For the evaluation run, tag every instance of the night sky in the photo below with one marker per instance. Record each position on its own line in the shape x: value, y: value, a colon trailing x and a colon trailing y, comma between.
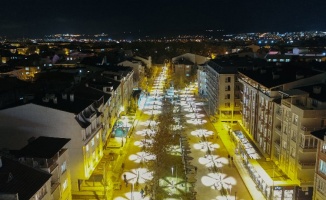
x: 36, y: 18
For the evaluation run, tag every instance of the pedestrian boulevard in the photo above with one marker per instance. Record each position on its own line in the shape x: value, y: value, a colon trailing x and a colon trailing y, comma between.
x: 208, y: 153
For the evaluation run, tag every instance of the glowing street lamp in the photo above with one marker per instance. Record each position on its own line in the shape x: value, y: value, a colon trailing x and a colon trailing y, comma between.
x: 172, y: 178
x: 132, y: 190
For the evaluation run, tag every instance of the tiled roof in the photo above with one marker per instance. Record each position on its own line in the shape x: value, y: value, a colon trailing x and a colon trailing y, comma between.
x: 17, y: 178
x: 43, y: 147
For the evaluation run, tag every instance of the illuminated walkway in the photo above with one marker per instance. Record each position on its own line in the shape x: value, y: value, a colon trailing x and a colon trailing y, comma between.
x: 216, y: 178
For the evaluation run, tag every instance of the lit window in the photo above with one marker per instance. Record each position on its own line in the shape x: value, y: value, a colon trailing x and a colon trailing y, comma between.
x: 92, y: 142
x: 322, y: 167
x: 65, y: 185
x: 86, y: 147
x: 63, y: 167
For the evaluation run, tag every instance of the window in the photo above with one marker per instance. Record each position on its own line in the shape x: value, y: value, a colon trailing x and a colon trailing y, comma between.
x: 92, y: 142
x: 295, y: 119
x: 293, y: 136
x: 292, y: 152
x: 321, y: 185
x: 83, y: 134
x: 87, y: 148
x: 63, y: 167
x: 227, y: 88
x: 322, y: 167
x: 228, y: 79
x: 323, y: 147
x: 291, y: 167
x: 227, y: 96
x: 227, y: 105
x: 65, y: 185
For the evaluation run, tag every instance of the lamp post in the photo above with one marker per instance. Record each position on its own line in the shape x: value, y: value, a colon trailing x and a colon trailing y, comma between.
x: 132, y: 190
x: 172, y: 177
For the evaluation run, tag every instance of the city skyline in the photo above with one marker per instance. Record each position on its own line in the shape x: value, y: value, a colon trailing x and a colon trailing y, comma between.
x: 137, y: 19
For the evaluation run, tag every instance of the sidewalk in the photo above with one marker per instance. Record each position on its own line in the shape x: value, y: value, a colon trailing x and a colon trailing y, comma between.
x: 222, y: 129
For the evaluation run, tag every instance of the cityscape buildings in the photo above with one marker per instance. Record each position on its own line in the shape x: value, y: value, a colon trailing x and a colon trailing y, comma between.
x: 78, y: 96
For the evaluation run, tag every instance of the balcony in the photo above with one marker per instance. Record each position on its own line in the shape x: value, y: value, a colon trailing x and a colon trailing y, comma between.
x: 323, y: 152
x: 305, y: 148
x: 306, y: 165
x: 308, y: 129
x: 277, y: 143
x: 278, y: 114
x: 287, y: 104
x: 278, y: 130
x: 54, y: 186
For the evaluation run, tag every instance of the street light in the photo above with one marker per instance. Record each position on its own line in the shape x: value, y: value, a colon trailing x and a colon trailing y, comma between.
x: 132, y: 190
x: 172, y: 177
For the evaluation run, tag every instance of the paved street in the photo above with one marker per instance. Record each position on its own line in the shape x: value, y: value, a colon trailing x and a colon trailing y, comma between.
x: 215, y: 177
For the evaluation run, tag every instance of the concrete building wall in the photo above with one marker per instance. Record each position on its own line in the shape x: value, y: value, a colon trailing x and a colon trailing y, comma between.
x: 32, y: 120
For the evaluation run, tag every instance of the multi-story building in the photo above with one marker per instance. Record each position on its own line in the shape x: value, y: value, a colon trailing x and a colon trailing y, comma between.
x: 300, y: 111
x: 49, y: 154
x: 84, y: 112
x: 260, y: 90
x: 185, y: 65
x: 138, y: 68
x: 125, y: 76
x: 77, y: 115
x: 221, y: 89
x: 320, y: 173
x: 275, y: 117
x: 22, y: 182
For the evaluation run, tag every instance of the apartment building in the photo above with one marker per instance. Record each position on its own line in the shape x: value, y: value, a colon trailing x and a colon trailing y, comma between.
x: 77, y: 116
x: 221, y: 89
x: 50, y: 155
x: 320, y: 173
x: 21, y: 182
x: 138, y: 68
x: 185, y: 65
x: 277, y: 109
x: 124, y: 75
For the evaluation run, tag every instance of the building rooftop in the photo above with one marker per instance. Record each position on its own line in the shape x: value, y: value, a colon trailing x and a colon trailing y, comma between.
x: 17, y: 178
x: 320, y: 134
x: 276, y: 76
x: 79, y: 98
x: 222, y: 69
x: 43, y: 147
x: 314, y: 91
